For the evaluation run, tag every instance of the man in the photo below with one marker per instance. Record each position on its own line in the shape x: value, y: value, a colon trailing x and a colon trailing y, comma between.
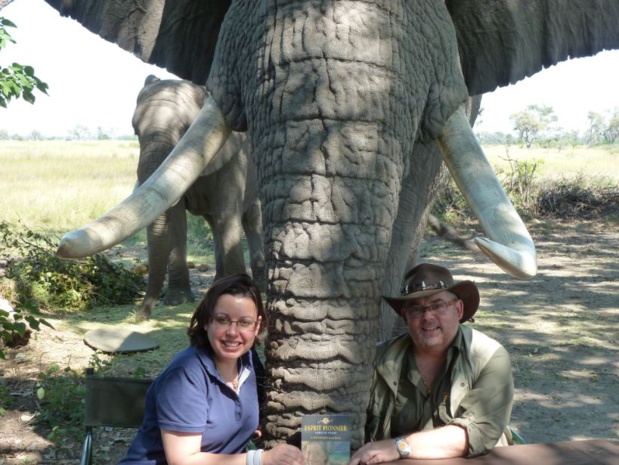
x: 443, y: 389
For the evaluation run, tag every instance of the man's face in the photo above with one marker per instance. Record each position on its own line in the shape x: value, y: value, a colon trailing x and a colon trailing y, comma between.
x: 433, y: 321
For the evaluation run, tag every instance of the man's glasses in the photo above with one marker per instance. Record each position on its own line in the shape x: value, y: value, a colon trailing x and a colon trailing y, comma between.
x: 438, y: 307
x: 244, y: 324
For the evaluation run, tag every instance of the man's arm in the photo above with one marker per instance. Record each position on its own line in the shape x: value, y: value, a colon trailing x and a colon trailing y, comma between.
x: 441, y: 443
x: 486, y: 409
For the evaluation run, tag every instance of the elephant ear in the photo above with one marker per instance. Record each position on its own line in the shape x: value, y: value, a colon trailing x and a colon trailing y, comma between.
x: 504, y: 41
x: 178, y: 35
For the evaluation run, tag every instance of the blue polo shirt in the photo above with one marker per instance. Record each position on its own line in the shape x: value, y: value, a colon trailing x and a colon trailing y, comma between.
x: 190, y: 396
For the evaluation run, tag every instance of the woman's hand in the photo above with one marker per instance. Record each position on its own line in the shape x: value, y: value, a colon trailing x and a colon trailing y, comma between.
x: 282, y: 454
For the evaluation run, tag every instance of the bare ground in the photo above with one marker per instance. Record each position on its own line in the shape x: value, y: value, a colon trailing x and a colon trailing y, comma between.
x: 561, y: 327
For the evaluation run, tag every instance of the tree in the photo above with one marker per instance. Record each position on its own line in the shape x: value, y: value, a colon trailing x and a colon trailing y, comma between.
x: 596, y: 127
x: 102, y: 134
x: 80, y: 132
x: 611, y: 132
x: 16, y: 81
x: 532, y: 122
x: 601, y: 129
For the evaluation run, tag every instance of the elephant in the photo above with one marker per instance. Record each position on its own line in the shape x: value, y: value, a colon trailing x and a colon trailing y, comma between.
x: 225, y: 194
x: 352, y: 107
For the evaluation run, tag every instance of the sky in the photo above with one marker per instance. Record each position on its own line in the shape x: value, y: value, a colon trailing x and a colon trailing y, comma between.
x: 94, y: 83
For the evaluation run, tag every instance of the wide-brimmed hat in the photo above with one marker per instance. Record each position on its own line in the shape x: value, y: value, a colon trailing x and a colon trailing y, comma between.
x: 427, y: 279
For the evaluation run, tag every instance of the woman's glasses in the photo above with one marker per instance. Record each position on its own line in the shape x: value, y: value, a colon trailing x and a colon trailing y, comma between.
x: 224, y: 322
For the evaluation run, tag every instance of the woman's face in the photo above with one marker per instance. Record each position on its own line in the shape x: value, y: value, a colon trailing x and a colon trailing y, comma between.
x: 233, y: 328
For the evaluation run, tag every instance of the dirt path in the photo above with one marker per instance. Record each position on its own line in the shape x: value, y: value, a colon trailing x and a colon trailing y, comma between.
x: 562, y: 329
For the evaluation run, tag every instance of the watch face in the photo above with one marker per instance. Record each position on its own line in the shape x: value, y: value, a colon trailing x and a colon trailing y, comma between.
x: 402, y: 447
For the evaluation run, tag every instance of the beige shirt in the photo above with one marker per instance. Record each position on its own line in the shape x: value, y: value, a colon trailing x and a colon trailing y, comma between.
x: 474, y: 390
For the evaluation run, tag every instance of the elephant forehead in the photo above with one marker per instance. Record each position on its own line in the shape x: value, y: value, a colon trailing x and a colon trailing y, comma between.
x: 345, y: 61
x: 346, y: 30
x: 353, y: 60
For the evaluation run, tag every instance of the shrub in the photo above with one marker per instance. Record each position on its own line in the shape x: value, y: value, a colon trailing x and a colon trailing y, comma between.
x: 565, y: 197
x: 579, y: 197
x: 61, y: 394
x: 64, y: 285
x: 521, y: 185
x: 16, y: 326
x: 451, y: 206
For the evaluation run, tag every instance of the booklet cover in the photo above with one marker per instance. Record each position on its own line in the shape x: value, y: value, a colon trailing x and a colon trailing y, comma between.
x: 325, y: 439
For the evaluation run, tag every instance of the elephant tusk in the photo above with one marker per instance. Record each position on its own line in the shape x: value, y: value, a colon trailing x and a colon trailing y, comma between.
x: 197, y: 148
x: 508, y: 244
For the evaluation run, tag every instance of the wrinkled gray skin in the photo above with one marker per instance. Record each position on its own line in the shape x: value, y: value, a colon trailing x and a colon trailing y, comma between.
x: 345, y: 103
x: 226, y: 194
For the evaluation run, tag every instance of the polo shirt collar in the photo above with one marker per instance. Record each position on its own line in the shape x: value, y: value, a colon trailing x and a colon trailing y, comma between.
x: 205, y: 355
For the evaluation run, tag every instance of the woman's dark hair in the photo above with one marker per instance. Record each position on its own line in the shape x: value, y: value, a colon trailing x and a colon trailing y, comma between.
x: 238, y: 285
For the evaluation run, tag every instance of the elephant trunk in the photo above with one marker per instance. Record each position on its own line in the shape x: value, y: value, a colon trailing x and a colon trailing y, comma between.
x: 196, y: 149
x: 509, y: 244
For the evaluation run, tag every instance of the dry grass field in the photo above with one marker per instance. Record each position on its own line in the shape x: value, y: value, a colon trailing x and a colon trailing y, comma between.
x: 55, y: 186
x: 598, y: 162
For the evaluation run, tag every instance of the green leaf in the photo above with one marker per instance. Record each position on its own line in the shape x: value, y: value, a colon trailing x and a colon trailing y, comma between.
x: 6, y: 22
x: 17, y: 81
x: 20, y: 328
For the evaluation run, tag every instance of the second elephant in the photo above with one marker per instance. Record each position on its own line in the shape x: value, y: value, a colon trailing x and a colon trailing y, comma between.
x: 226, y: 195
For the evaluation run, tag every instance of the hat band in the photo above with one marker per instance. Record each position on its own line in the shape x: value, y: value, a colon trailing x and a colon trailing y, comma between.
x: 422, y: 286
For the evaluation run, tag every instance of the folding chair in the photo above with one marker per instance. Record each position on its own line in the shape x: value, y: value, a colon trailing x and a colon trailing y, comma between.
x: 513, y: 437
x: 111, y: 401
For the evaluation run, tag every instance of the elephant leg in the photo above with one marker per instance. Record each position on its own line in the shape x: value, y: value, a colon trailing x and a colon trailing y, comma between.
x: 217, y: 253
x: 228, y: 235
x: 158, y: 253
x: 179, y: 286
x: 252, y: 224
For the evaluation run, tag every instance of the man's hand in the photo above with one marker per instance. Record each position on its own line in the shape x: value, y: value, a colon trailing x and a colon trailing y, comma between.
x: 375, y: 452
x: 283, y: 454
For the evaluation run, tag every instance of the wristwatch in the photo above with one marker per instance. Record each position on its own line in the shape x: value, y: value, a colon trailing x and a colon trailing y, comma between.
x: 402, y: 446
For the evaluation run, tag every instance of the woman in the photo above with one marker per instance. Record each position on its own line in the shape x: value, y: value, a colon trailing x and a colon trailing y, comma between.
x: 203, y: 408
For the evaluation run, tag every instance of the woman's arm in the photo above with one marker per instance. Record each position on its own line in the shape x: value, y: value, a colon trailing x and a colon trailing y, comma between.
x: 184, y: 449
